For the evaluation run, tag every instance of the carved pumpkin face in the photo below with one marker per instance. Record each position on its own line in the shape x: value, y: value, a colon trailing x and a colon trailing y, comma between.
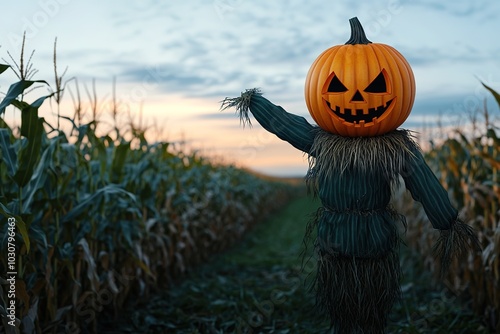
x: 360, y: 88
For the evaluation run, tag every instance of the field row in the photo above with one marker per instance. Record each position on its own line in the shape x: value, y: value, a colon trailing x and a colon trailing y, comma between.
x: 101, y: 220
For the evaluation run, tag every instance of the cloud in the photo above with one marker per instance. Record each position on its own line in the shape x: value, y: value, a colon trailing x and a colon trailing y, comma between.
x: 213, y: 50
x: 430, y: 56
x: 206, y: 65
x: 460, y: 8
x: 218, y: 48
x: 454, y: 108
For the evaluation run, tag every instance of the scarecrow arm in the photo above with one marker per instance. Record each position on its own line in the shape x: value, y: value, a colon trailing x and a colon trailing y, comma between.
x: 456, y: 236
x: 426, y: 189
x: 291, y: 128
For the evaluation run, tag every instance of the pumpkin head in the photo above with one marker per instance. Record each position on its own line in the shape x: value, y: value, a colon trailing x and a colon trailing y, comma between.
x: 360, y: 88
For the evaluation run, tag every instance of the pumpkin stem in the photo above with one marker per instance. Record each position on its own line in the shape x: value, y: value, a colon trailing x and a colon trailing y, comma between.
x: 357, y: 33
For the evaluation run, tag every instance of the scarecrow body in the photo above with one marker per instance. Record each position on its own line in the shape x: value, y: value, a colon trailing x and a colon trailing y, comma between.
x: 358, y: 271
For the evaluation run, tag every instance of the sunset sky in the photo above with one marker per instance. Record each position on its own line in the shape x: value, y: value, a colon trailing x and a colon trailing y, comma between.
x: 178, y: 59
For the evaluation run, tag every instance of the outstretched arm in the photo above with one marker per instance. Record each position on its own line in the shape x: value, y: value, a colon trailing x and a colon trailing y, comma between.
x: 456, y: 236
x: 426, y: 189
x: 291, y: 128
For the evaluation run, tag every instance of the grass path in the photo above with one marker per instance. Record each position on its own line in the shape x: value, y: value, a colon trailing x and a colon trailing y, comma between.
x: 258, y: 287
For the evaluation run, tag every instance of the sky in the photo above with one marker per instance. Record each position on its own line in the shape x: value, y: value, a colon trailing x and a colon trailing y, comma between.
x: 174, y: 61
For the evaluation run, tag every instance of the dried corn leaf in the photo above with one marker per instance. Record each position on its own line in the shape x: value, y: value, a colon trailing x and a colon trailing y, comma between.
x: 91, y: 266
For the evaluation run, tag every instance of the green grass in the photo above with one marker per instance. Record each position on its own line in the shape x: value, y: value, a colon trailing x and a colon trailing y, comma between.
x: 258, y: 287
x: 428, y: 306
x: 277, y: 241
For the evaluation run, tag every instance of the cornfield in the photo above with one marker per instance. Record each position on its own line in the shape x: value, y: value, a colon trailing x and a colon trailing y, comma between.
x: 102, y: 221
x: 468, y: 166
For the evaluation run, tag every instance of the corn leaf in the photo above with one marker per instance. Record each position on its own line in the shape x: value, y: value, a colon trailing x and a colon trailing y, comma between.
x: 9, y: 155
x: 39, y: 176
x: 29, y: 154
x: 20, y: 225
x: 15, y: 90
x: 120, y: 154
x: 87, y: 203
x: 32, y: 129
x: 3, y: 68
x: 99, y: 148
x: 493, y: 92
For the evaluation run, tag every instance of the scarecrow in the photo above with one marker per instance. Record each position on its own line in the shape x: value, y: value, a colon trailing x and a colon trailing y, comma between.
x: 359, y: 94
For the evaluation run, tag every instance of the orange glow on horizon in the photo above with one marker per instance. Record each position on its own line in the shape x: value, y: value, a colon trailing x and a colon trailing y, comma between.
x: 191, y: 124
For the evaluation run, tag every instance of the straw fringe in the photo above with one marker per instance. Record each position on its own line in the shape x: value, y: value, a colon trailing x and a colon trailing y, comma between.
x: 331, y: 155
x: 454, y: 244
x: 241, y: 104
x: 357, y: 294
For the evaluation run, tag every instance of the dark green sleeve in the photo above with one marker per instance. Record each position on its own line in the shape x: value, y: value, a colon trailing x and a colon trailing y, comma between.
x: 456, y: 237
x: 291, y: 128
x: 426, y: 188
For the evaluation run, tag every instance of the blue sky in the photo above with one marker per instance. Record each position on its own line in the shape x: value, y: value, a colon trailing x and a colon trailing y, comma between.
x: 178, y: 59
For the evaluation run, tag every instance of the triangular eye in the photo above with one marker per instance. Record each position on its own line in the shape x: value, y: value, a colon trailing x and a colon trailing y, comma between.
x: 336, y: 86
x: 378, y: 85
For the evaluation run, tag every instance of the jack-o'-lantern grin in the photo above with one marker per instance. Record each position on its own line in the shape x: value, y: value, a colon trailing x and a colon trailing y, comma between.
x: 360, y: 116
x: 359, y: 106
